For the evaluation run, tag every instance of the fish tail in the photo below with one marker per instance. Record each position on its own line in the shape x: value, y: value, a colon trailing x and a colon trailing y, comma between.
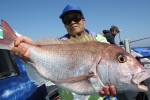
x: 7, y: 41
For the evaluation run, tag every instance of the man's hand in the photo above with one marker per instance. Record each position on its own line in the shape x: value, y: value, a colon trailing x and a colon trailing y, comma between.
x: 21, y: 49
x: 108, y: 91
x: 23, y: 39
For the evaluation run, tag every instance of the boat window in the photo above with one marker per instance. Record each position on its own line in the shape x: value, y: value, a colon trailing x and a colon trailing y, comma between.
x: 8, y: 66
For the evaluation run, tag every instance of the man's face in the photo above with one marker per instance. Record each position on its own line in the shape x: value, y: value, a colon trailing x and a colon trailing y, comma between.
x: 74, y: 23
x: 115, y: 32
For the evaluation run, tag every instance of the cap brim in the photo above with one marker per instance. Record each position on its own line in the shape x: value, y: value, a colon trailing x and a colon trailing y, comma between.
x: 62, y: 15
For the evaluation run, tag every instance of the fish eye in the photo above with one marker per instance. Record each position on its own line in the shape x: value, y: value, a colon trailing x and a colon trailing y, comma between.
x: 122, y: 59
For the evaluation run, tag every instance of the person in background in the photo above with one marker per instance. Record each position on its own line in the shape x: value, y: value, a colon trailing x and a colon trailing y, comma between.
x: 105, y: 31
x: 74, y: 22
x: 110, y: 34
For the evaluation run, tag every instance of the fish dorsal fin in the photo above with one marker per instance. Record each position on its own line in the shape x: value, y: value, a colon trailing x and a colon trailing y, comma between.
x: 72, y: 40
x: 82, y: 38
x: 47, y: 41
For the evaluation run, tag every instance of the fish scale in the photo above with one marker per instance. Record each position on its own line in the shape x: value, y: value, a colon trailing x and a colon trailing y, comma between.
x: 55, y: 58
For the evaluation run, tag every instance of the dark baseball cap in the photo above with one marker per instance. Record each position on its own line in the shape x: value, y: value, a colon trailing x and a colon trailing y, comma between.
x: 114, y: 28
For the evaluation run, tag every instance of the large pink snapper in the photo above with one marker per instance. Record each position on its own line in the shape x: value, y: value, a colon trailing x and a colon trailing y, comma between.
x: 81, y: 65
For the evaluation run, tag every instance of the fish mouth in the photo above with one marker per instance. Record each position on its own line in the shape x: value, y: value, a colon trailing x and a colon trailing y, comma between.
x: 139, y: 78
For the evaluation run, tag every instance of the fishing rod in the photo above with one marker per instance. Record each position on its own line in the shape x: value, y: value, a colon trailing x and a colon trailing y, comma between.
x: 139, y: 39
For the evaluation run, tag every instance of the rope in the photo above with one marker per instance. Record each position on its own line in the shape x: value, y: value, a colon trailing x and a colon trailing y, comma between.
x: 139, y: 39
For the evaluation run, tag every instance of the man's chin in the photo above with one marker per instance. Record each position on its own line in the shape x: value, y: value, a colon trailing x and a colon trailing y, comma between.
x: 78, y: 33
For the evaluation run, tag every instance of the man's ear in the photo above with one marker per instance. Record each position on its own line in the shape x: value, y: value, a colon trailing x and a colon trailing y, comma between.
x: 84, y: 22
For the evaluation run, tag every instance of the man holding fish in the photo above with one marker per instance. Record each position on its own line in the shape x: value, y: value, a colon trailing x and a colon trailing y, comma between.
x: 127, y: 79
x: 74, y: 22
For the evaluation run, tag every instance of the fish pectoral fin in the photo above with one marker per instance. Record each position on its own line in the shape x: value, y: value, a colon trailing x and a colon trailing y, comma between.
x: 81, y: 97
x: 96, y: 83
x: 73, y: 79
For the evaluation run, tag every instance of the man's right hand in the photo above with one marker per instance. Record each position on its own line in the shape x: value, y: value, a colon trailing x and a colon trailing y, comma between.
x: 20, y: 48
x: 108, y: 91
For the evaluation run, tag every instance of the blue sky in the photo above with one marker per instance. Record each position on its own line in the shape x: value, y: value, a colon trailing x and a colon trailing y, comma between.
x: 40, y: 18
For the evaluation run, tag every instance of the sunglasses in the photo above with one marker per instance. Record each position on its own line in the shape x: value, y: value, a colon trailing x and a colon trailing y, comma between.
x: 76, y: 18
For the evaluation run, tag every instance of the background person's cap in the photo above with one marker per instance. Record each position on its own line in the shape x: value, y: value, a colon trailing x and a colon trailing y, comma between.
x: 69, y: 8
x: 114, y: 28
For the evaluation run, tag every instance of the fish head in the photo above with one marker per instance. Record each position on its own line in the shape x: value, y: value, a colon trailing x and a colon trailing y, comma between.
x: 119, y: 68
